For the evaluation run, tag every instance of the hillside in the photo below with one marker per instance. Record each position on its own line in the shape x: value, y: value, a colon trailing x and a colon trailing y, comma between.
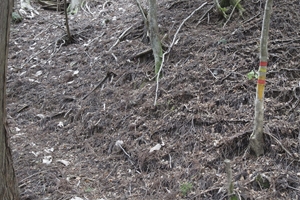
x: 70, y: 104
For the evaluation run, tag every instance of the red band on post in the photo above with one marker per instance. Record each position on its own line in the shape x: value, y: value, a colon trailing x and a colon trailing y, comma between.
x: 263, y: 64
x: 259, y: 81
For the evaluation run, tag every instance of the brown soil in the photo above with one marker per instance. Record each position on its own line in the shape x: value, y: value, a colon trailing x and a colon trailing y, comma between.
x: 204, y: 112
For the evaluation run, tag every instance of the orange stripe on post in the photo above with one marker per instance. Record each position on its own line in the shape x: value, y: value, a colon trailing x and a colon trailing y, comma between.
x: 263, y: 64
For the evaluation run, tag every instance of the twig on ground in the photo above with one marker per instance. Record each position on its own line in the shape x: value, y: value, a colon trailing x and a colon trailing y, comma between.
x: 208, y: 18
x: 86, y: 9
x: 41, y: 33
x: 23, y: 108
x: 206, y: 191
x: 142, y: 10
x: 298, y: 99
x: 293, y: 188
x: 231, y: 13
x: 269, y: 133
x: 94, y: 39
x: 22, y: 183
x: 200, y: 20
x: 115, y: 57
x: 108, y: 75
x: 111, y: 171
x: 119, y: 144
x: 34, y: 55
x: 55, y: 50
x: 143, y: 53
x: 124, y: 150
x: 212, y: 73
x: 120, y: 38
x: 169, y: 49
x: 245, y: 22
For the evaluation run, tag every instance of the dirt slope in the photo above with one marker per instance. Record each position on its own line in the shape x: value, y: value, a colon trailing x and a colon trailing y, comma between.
x: 69, y: 105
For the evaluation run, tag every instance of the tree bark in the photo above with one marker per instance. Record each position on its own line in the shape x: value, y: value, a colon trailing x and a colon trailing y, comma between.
x: 154, y: 35
x: 8, y: 185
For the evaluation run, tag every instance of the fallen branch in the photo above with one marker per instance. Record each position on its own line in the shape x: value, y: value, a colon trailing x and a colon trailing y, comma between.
x: 200, y: 20
x: 142, y: 10
x: 34, y: 55
x: 268, y: 133
x: 170, y: 47
x: 108, y: 75
x: 231, y: 13
x: 120, y: 38
x: 143, y: 53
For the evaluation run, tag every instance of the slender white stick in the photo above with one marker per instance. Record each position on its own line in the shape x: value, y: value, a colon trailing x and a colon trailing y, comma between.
x: 170, y: 47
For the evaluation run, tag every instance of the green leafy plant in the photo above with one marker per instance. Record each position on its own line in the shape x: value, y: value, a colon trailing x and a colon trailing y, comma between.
x: 185, y: 188
x: 16, y: 17
x: 88, y: 190
x: 222, y: 41
x: 252, y: 74
x: 262, y: 181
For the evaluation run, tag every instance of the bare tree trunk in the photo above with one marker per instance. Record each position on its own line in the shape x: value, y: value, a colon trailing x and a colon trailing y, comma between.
x: 257, y: 137
x: 8, y: 185
x: 154, y: 35
x: 67, y: 20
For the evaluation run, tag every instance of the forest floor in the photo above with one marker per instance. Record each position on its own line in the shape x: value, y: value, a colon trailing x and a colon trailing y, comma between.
x: 69, y: 106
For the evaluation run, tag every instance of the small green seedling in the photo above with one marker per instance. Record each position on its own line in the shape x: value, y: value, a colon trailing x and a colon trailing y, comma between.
x: 185, y: 188
x: 16, y: 17
x: 88, y: 190
x: 252, y: 74
x: 262, y: 181
x: 222, y: 41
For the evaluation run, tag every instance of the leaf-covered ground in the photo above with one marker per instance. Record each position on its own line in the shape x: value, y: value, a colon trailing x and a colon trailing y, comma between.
x: 70, y: 105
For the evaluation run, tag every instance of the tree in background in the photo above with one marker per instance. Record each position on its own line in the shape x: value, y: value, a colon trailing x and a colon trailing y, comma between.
x: 223, y: 6
x: 26, y: 8
x: 8, y: 185
x: 257, y: 137
x: 151, y: 30
x: 74, y: 6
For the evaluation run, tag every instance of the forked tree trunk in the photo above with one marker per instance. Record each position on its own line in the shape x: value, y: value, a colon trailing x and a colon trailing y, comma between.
x: 257, y: 137
x: 8, y: 185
